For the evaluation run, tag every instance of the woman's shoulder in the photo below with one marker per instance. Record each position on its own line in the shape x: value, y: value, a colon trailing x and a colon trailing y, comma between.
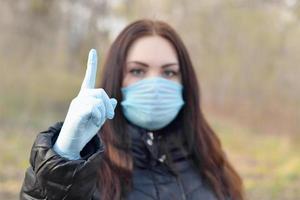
x: 52, y: 174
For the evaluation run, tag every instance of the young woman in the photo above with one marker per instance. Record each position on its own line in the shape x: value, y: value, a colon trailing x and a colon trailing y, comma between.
x: 156, y: 143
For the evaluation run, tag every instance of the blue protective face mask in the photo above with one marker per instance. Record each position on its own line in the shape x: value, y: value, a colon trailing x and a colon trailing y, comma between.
x: 152, y: 103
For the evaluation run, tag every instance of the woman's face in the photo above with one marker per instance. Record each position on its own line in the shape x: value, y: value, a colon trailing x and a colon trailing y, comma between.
x: 151, y: 56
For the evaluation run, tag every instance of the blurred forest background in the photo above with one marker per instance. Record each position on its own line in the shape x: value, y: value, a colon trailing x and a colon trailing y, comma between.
x: 246, y: 54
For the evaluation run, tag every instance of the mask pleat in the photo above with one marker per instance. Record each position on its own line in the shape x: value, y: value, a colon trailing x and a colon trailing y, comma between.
x: 152, y: 103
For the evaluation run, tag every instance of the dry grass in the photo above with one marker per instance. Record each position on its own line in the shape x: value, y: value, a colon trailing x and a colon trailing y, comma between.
x: 269, y: 164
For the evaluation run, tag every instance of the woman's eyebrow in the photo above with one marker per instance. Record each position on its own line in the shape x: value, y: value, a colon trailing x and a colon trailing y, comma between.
x: 146, y: 65
x: 139, y: 63
x: 169, y: 65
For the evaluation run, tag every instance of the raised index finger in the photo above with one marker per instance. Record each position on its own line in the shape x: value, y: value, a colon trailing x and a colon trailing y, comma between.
x: 89, y: 80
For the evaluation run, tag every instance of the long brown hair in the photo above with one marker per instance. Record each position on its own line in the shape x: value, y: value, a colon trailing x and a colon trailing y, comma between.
x: 201, y: 141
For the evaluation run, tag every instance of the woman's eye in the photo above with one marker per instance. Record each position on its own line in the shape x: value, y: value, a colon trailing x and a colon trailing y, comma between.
x: 136, y: 72
x: 170, y: 73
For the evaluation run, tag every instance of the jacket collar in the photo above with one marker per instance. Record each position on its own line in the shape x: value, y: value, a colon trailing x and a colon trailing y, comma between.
x: 146, y: 147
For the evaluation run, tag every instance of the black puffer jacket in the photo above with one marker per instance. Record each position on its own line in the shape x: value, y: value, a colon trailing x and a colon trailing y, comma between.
x: 51, y: 176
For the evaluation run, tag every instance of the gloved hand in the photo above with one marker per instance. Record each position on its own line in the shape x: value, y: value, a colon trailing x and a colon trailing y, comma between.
x: 87, y: 113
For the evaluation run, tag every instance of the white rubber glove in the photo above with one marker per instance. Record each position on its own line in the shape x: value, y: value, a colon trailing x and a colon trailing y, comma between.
x: 87, y: 113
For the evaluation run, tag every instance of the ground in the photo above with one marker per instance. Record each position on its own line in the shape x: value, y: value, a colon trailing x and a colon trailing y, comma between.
x: 269, y: 164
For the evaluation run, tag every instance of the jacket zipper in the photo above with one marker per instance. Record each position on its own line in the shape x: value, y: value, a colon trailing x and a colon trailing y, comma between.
x: 181, y: 188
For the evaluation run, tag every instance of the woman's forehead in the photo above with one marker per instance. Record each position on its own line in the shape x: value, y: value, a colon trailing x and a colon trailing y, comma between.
x: 154, y: 50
